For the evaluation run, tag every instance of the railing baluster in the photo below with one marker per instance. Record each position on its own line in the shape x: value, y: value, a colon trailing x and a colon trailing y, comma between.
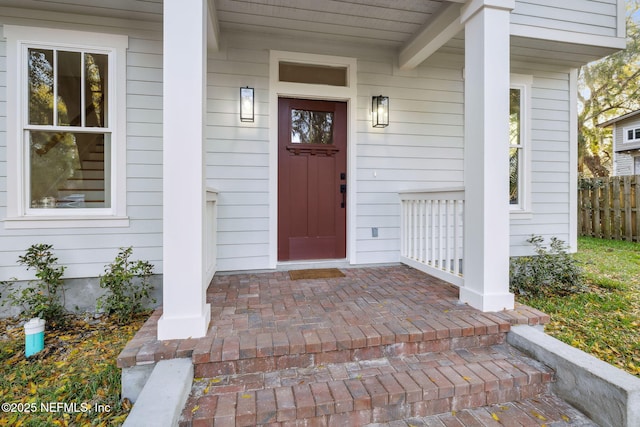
x: 447, y: 264
x: 456, y: 236
x: 432, y: 231
x: 414, y: 216
x: 420, y: 231
x: 417, y: 230
x: 405, y: 233
x: 429, y: 231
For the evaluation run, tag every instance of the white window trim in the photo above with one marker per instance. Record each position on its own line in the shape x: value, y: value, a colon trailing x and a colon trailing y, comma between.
x: 625, y: 131
x: 349, y: 94
x: 18, y: 214
x: 524, y: 83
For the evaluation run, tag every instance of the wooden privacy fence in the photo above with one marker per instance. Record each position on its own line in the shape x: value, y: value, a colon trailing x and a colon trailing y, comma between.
x: 608, y: 207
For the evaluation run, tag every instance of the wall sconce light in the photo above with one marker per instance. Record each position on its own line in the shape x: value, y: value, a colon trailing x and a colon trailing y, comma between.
x: 380, y: 111
x: 246, y: 104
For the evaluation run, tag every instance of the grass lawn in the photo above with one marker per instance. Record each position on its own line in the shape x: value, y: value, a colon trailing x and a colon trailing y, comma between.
x: 606, y: 321
x: 77, y: 368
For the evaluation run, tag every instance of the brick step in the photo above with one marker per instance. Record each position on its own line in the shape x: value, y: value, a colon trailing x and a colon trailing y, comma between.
x: 546, y: 409
x: 368, y: 391
x: 298, y: 347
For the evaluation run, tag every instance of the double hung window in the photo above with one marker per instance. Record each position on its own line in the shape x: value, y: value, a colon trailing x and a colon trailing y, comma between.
x: 519, y: 143
x: 68, y: 133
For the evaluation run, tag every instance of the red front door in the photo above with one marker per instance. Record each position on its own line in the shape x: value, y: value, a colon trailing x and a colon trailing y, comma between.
x: 312, y: 185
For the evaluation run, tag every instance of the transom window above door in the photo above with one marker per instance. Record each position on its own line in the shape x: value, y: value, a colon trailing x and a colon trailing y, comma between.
x: 312, y: 73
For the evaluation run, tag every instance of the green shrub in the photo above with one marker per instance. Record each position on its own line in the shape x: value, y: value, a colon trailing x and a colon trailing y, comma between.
x: 552, y: 271
x: 128, y: 286
x: 44, y: 297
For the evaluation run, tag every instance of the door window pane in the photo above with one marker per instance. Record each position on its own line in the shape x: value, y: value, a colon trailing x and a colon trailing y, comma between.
x: 311, y: 127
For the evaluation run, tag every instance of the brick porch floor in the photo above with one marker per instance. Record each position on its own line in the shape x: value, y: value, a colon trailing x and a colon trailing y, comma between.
x: 381, y: 344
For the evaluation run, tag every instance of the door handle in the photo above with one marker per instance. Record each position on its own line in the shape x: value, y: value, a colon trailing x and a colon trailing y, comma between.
x: 343, y: 191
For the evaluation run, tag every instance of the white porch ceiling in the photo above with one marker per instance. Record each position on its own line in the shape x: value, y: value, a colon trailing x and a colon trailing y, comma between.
x: 388, y: 23
x: 406, y: 26
x: 143, y: 10
x: 376, y: 22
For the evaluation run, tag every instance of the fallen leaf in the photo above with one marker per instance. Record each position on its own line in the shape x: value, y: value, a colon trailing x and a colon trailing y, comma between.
x: 495, y: 416
x: 538, y: 416
x: 126, y: 403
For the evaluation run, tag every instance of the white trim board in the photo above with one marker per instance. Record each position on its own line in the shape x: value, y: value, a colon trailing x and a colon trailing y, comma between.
x: 349, y: 94
x: 18, y: 214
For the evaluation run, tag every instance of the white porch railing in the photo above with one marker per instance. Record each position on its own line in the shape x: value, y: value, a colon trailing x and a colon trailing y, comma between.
x: 432, y: 232
x: 211, y: 230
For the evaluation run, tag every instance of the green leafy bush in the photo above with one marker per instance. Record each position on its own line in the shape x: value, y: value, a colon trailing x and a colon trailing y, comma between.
x: 128, y: 286
x: 552, y: 271
x: 44, y: 297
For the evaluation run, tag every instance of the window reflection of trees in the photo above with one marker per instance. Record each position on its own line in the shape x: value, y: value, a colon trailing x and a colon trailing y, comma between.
x: 311, y: 127
x: 515, y: 145
x: 56, y: 156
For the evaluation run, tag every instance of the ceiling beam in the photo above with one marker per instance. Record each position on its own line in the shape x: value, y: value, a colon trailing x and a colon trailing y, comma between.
x: 432, y: 36
x: 213, y: 29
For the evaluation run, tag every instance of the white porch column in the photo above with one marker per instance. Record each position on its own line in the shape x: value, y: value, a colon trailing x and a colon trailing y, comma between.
x: 185, y: 311
x: 486, y: 155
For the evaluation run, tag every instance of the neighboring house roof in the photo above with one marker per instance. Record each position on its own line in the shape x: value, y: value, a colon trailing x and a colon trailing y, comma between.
x: 619, y: 119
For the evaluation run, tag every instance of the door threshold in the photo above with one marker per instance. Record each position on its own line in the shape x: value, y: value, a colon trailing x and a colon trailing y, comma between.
x: 310, y: 263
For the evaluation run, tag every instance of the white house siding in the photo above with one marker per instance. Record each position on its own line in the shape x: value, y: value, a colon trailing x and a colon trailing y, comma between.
x: 618, y: 133
x: 624, y: 163
x: 85, y: 251
x: 580, y: 16
x: 550, y: 158
x: 421, y: 148
x: 237, y: 156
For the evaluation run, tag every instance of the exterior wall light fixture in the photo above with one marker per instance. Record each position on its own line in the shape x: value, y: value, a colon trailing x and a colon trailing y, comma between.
x: 246, y: 104
x: 380, y: 111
